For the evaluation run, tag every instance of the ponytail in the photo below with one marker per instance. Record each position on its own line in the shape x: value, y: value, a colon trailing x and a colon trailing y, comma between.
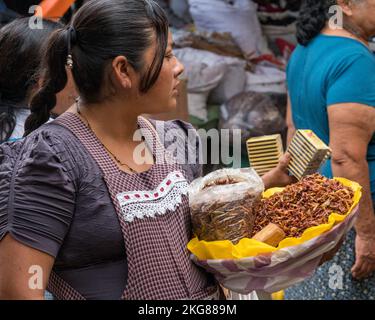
x: 312, y: 19
x: 54, y: 80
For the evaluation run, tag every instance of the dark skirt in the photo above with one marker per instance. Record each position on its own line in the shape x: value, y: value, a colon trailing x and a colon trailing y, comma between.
x: 334, y: 281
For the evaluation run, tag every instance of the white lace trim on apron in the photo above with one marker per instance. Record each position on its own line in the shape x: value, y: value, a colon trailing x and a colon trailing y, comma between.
x: 146, y: 204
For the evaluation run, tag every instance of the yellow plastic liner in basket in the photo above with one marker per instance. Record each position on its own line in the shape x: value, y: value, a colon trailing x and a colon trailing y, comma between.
x: 246, y: 247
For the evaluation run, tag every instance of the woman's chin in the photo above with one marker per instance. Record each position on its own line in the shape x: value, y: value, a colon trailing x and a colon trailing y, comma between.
x: 170, y: 108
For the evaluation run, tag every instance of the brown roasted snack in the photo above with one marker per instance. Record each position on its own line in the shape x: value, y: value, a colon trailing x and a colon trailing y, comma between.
x: 222, y: 205
x: 303, y: 205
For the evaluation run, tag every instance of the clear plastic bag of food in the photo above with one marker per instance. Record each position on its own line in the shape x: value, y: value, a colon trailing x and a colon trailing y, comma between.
x: 222, y: 204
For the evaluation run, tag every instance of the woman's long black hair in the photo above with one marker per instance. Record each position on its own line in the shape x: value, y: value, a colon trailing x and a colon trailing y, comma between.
x: 100, y: 31
x: 21, y: 50
x: 313, y: 17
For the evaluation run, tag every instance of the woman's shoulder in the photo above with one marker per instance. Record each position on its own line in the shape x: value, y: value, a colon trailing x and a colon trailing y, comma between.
x: 353, y: 61
x: 332, y: 48
x: 53, y: 135
x: 343, y: 50
x: 39, y: 175
x: 49, y: 146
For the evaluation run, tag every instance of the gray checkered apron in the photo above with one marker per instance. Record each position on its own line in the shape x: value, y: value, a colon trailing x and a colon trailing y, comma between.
x: 159, y: 265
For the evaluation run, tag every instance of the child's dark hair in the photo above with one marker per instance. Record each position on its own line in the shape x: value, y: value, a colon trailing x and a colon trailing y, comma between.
x: 100, y: 31
x: 21, y: 50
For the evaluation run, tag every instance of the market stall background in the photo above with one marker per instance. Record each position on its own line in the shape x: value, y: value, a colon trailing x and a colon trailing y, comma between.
x: 235, y: 54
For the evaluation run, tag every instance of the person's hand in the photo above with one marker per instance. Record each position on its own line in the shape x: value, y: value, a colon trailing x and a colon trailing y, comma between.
x: 279, y: 176
x: 364, y: 257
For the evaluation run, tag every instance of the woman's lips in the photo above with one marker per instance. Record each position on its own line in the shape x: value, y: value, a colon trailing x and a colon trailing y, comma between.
x: 175, y: 87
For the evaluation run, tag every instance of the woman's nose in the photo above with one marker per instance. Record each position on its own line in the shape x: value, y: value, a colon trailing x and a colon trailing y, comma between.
x: 179, y: 69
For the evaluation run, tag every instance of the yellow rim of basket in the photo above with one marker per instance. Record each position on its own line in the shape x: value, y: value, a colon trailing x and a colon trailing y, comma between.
x: 225, y: 249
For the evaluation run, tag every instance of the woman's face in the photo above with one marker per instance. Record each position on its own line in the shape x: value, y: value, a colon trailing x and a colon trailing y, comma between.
x: 162, y: 97
x: 363, y: 15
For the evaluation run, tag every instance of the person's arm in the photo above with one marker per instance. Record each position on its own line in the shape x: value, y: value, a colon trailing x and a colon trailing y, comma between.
x: 37, y: 218
x: 351, y: 129
x: 289, y: 122
x: 24, y: 271
x: 279, y: 176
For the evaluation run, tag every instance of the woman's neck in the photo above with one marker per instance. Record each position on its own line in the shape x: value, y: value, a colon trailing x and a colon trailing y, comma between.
x: 110, y: 119
x: 345, y: 33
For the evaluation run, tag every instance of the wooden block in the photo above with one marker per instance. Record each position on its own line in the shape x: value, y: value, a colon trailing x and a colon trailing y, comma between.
x: 272, y: 235
x: 264, y: 152
x: 308, y: 153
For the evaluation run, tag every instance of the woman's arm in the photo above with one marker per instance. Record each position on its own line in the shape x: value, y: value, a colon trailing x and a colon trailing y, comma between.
x: 351, y: 129
x: 24, y: 272
x: 279, y: 176
x: 42, y: 186
x: 289, y: 122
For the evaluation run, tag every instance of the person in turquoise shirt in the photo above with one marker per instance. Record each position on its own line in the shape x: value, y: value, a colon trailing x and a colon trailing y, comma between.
x: 331, y: 83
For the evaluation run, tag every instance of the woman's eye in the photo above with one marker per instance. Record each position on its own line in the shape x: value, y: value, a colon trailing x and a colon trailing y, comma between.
x: 169, y: 56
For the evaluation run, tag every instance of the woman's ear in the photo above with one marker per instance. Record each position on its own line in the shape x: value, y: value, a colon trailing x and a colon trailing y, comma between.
x: 346, y: 6
x: 121, y: 72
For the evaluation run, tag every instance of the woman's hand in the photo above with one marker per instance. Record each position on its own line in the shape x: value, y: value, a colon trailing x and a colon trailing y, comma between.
x: 279, y: 176
x: 364, y: 257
